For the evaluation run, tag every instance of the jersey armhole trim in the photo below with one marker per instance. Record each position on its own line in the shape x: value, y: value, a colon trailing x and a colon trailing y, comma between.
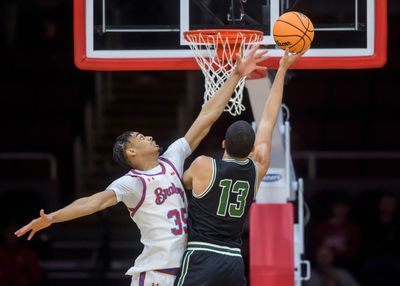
x: 256, y: 187
x: 135, y: 209
x: 172, y: 166
x: 210, y: 185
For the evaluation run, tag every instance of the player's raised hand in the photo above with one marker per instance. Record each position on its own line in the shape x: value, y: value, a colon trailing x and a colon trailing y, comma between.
x: 246, y: 66
x: 35, y: 225
x: 289, y: 59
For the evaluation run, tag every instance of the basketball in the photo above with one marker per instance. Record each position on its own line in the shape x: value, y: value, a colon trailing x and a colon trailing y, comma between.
x: 293, y: 30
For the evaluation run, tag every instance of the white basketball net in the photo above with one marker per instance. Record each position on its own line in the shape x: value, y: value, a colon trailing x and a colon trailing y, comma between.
x: 218, y: 67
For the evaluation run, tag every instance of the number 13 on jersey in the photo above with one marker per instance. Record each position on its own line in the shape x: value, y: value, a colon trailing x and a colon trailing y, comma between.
x: 235, y: 209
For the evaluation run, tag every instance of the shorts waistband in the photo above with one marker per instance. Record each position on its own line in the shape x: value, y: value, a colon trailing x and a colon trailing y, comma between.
x: 205, y: 246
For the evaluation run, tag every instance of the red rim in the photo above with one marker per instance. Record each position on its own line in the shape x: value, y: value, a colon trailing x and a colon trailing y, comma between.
x: 230, y: 34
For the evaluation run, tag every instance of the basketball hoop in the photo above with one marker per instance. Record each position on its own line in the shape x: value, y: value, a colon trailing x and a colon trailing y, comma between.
x: 216, y: 53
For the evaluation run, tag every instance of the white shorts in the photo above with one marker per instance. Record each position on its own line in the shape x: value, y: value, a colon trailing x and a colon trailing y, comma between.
x: 154, y: 278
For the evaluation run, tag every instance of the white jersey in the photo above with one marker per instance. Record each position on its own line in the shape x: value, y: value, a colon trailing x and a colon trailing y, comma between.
x: 157, y: 203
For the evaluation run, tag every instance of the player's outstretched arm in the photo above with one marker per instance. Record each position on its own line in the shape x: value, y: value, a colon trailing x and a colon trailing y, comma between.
x: 79, y: 208
x: 212, y: 110
x: 262, y: 144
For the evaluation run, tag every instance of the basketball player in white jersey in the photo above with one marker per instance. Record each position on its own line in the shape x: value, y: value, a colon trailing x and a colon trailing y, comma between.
x: 152, y: 190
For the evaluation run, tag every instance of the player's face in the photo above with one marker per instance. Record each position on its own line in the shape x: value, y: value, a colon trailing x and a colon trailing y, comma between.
x: 144, y: 144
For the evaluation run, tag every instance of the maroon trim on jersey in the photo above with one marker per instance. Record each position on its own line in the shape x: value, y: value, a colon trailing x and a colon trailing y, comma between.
x: 172, y: 165
x: 170, y: 271
x: 134, y: 210
x: 162, y: 172
x: 141, y: 278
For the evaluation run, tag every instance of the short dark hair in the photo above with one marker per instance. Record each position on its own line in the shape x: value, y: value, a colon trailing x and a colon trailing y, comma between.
x: 120, y: 147
x: 239, y: 139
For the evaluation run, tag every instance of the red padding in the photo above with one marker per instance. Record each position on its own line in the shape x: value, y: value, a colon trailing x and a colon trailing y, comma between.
x: 377, y: 60
x: 271, y: 245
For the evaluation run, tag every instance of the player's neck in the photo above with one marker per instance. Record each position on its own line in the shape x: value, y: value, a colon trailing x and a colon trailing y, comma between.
x: 227, y: 156
x: 145, y: 164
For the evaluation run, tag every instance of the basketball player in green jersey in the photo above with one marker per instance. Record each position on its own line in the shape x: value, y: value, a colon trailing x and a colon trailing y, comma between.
x: 222, y: 192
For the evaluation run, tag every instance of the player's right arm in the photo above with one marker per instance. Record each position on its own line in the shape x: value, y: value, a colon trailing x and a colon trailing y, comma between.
x: 269, y: 117
x: 79, y: 208
x: 212, y: 110
x: 198, y: 176
x: 126, y: 189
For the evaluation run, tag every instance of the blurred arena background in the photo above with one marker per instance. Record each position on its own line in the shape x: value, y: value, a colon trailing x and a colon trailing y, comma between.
x: 58, y: 124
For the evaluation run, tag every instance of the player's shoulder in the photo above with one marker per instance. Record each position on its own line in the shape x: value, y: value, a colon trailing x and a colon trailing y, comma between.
x: 180, y: 142
x: 126, y: 184
x: 129, y: 177
x: 254, y: 162
x: 202, y: 161
x: 177, y: 147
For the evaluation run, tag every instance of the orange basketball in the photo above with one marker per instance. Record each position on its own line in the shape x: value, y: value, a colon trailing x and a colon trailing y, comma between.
x: 293, y: 30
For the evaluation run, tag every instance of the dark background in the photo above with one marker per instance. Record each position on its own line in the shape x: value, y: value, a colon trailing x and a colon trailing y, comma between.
x: 43, y: 98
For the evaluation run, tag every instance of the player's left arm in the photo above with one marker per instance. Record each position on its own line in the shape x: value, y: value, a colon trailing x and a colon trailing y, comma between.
x: 211, y: 111
x: 269, y: 117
